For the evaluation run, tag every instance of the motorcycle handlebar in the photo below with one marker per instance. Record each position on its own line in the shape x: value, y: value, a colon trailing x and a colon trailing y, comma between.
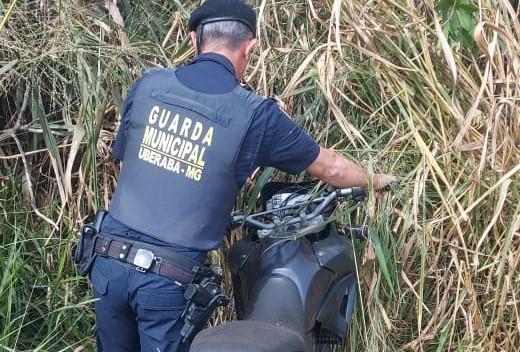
x: 357, y: 194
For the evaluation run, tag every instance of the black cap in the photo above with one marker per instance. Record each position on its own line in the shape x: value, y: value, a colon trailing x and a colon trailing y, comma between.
x: 223, y: 10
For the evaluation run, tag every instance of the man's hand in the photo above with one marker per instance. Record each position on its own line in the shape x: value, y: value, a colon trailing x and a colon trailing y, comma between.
x: 382, y: 180
x: 334, y: 169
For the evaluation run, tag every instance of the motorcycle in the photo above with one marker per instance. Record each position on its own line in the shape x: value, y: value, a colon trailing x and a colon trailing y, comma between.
x: 293, y: 274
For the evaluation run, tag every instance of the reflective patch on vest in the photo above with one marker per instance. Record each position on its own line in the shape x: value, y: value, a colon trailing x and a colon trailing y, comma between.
x: 176, y: 143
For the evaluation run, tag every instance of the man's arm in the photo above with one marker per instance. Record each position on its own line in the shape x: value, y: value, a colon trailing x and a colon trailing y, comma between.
x: 334, y: 169
x: 288, y: 148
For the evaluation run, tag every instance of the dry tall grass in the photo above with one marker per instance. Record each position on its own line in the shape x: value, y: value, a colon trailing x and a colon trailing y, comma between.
x: 385, y: 82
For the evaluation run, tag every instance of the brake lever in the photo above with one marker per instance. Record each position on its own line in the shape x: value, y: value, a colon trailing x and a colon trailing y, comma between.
x: 235, y: 220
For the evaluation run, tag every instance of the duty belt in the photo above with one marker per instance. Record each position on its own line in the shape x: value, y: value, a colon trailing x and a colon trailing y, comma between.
x: 147, y: 258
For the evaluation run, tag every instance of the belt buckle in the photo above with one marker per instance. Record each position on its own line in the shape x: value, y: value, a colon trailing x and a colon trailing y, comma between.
x: 143, y: 260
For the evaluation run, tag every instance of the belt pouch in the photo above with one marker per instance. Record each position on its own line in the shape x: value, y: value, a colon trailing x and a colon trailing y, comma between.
x: 85, y: 249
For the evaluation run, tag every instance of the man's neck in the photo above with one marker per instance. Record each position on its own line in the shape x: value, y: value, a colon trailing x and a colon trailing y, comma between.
x: 232, y: 57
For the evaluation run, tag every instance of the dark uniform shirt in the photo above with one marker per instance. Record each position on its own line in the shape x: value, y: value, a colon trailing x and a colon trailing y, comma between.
x: 273, y: 139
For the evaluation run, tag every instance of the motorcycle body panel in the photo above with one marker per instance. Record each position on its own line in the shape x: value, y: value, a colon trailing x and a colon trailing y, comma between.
x: 297, y: 284
x: 331, y: 319
x: 282, y: 284
x: 334, y: 252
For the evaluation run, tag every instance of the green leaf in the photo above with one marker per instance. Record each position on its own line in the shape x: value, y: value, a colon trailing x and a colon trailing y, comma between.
x: 467, y: 39
x: 466, y: 20
x: 381, y: 257
x: 459, y: 21
x: 264, y: 177
x: 444, y: 336
x: 467, y: 6
x: 444, y: 7
x: 50, y: 142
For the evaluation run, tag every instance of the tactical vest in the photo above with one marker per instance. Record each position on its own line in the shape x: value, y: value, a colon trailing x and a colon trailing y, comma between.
x: 177, y: 182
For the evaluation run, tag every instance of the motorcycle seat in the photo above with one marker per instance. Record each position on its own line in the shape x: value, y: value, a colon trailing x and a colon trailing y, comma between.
x: 248, y: 336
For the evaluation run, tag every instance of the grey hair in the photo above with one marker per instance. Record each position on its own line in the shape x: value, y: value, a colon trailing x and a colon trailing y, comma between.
x: 232, y: 34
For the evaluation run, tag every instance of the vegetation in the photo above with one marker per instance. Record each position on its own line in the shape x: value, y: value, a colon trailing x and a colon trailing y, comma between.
x: 426, y: 90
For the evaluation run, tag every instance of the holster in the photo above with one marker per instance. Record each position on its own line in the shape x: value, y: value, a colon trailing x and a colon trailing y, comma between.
x: 202, y: 296
x: 83, y: 253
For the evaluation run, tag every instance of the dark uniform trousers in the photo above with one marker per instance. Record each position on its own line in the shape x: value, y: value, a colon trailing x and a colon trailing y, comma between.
x: 136, y: 311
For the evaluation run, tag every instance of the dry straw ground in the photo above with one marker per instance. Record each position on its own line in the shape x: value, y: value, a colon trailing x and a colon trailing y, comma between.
x: 399, y: 85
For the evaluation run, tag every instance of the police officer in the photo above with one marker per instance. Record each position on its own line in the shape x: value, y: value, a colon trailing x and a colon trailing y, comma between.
x: 188, y: 140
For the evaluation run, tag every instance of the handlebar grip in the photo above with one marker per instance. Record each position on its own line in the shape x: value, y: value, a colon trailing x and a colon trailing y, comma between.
x: 356, y: 193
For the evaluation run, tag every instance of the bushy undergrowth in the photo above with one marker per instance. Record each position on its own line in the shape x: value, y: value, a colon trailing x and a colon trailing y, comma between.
x: 426, y: 90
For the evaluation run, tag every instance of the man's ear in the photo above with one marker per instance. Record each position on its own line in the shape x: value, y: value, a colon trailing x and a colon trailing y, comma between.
x: 249, y: 47
x: 194, y: 39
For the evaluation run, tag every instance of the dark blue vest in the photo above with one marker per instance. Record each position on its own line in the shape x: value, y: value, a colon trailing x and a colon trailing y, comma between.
x: 178, y: 182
